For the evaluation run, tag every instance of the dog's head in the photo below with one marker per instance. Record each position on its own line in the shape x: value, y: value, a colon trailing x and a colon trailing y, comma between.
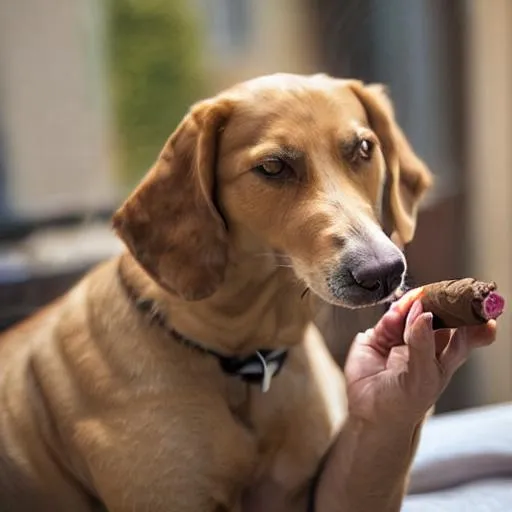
x: 310, y: 167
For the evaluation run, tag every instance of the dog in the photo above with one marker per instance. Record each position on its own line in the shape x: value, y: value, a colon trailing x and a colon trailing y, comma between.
x: 187, y: 374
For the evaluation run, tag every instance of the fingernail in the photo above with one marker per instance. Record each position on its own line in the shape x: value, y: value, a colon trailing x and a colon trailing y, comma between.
x: 429, y: 319
x: 360, y: 336
x: 394, y: 306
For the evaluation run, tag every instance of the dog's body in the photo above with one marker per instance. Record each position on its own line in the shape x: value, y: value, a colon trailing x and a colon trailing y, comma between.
x: 101, y: 397
x: 98, y: 404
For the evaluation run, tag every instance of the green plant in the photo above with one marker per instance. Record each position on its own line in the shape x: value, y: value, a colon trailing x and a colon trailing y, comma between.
x: 155, y: 74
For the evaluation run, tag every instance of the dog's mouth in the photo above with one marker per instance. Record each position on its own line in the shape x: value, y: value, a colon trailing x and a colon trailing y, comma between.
x: 351, y: 295
x: 343, y: 289
x: 361, y: 303
x: 407, y: 285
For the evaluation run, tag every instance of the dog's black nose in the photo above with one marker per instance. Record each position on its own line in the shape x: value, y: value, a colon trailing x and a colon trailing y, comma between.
x: 380, y: 276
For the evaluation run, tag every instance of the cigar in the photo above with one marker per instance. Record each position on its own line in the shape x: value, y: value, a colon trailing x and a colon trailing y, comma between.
x: 461, y: 302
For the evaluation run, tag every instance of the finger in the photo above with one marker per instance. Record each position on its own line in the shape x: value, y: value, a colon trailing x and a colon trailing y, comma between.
x: 481, y: 335
x: 362, y: 337
x: 389, y: 330
x: 415, y: 311
x: 463, y: 341
x: 442, y: 337
x: 404, y: 304
x: 455, y: 353
x: 398, y: 359
x: 419, y: 335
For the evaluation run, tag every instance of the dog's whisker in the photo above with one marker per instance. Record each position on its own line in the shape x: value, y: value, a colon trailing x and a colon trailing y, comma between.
x: 281, y: 260
x: 270, y: 255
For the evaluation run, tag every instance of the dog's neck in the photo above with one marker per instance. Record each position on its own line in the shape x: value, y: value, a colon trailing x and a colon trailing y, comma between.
x: 259, y: 306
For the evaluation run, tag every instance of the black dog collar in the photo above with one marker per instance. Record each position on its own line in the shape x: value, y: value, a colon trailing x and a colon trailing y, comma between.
x: 257, y: 368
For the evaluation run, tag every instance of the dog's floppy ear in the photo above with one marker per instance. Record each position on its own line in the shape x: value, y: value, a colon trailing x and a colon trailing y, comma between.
x: 170, y: 222
x: 408, y: 177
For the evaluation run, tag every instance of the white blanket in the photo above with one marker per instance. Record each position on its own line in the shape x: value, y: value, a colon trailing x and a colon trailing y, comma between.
x: 464, y: 463
x: 493, y: 495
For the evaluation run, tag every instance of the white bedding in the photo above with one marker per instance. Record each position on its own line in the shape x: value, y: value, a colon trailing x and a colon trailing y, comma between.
x: 464, y: 463
x: 492, y: 495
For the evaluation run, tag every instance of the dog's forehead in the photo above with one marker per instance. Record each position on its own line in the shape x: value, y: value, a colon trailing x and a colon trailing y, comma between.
x: 287, y: 82
x: 286, y: 88
x: 294, y: 101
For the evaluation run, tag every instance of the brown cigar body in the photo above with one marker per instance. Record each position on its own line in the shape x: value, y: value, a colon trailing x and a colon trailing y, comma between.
x: 461, y: 302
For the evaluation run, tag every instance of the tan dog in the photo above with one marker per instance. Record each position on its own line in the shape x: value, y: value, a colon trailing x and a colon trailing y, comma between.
x: 275, y: 186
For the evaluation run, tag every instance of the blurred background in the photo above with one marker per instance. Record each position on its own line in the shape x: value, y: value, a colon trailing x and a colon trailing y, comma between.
x: 90, y: 90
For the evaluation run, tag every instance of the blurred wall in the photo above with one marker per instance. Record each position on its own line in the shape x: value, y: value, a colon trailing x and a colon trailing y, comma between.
x: 489, y: 183
x: 254, y: 37
x: 54, y: 120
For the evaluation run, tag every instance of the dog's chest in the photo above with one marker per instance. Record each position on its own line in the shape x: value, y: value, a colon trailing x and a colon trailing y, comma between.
x: 294, y: 423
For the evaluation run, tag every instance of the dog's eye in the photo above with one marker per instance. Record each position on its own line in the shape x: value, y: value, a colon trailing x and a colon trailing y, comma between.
x: 364, y: 150
x: 274, y: 168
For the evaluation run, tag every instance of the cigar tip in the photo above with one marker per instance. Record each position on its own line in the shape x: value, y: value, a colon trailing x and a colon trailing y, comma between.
x: 492, y: 306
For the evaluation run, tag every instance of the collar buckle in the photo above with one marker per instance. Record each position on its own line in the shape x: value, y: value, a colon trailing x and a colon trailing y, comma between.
x: 269, y: 370
x: 258, y: 368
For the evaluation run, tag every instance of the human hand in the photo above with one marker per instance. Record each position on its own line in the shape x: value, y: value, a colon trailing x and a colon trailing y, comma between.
x: 397, y: 370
